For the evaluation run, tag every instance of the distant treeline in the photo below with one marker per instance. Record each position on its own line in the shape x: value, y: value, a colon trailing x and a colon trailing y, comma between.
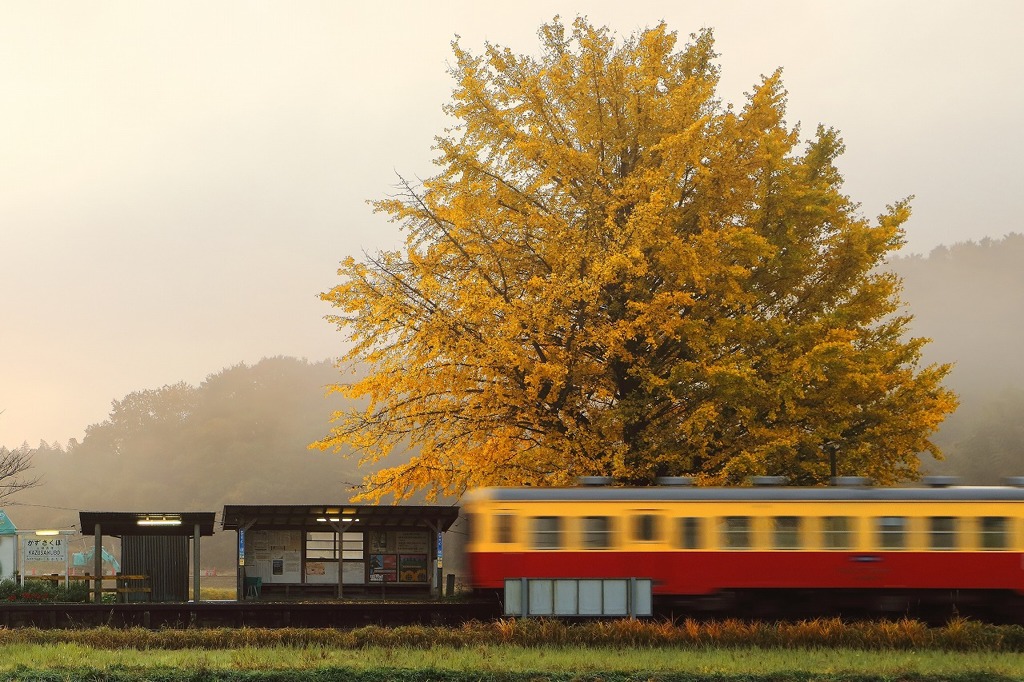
x: 238, y: 438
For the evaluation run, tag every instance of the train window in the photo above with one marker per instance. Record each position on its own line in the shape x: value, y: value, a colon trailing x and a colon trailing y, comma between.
x: 787, y: 532
x: 943, y: 532
x: 892, y: 532
x: 736, y: 532
x: 547, y: 532
x: 689, y: 533
x: 597, y: 532
x: 836, y: 532
x: 646, y: 527
x: 993, y: 532
x: 504, y: 528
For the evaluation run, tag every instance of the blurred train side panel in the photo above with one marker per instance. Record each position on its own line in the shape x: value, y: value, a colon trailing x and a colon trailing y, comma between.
x: 763, y: 550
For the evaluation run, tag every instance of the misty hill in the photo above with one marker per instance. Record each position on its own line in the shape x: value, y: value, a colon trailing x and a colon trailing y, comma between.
x: 969, y: 299
x: 239, y: 438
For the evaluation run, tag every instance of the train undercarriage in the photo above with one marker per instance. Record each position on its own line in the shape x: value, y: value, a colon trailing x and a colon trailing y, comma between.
x: 933, y: 606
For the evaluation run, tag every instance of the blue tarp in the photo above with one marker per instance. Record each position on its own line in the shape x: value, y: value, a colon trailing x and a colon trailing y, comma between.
x: 87, y: 559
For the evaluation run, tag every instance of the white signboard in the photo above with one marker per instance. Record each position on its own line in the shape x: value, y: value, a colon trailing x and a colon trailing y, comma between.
x: 46, y: 549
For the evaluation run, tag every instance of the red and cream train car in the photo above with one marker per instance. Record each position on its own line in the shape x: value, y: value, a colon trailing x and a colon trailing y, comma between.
x: 762, y: 550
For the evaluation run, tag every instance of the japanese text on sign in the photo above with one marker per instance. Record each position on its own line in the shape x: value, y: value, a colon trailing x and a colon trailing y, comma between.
x: 49, y: 549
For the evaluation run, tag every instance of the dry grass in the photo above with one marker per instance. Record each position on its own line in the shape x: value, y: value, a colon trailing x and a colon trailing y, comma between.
x: 958, y: 635
x: 216, y: 593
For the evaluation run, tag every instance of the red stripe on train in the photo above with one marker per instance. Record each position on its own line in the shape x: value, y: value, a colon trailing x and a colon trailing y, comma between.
x: 707, y: 572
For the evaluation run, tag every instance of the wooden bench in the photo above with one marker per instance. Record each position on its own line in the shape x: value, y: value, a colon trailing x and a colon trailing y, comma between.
x: 121, y: 588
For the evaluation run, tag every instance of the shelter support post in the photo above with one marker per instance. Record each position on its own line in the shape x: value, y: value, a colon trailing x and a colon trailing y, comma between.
x: 195, y: 563
x: 435, y: 555
x: 240, y: 571
x: 340, y: 529
x: 98, y: 564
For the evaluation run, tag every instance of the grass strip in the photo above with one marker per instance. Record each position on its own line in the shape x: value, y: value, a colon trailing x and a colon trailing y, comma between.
x: 958, y: 635
x: 495, y: 661
x: 395, y: 675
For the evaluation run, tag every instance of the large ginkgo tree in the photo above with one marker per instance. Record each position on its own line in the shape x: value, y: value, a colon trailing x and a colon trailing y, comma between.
x: 614, y: 273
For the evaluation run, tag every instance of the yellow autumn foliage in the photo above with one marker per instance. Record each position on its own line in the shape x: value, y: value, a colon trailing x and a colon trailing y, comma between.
x: 614, y: 273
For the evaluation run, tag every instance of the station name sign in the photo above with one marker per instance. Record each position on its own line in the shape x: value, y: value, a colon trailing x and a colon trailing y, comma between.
x: 46, y: 549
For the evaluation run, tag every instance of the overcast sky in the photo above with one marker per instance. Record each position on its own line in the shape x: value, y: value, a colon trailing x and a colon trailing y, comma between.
x: 179, y: 180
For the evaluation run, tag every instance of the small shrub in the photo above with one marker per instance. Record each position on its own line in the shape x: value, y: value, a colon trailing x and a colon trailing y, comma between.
x: 42, y: 591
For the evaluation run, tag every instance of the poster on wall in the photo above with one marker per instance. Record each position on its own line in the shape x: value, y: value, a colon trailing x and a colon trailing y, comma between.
x: 354, y: 573
x: 412, y: 542
x: 277, y: 541
x: 274, y: 555
x: 381, y: 542
x: 383, y: 568
x: 412, y: 568
x: 321, y: 572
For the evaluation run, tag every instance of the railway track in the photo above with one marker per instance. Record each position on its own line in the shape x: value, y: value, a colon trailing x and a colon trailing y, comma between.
x: 233, y: 614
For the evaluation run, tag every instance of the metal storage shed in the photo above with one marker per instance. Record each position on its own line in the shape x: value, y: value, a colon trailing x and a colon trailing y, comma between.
x: 154, y: 544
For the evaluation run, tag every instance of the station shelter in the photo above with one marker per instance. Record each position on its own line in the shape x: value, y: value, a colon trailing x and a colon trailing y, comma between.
x: 154, y: 552
x: 339, y: 550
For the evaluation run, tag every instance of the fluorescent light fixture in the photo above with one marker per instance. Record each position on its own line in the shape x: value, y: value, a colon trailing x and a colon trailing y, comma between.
x: 322, y: 519
x: 47, y: 532
x: 159, y: 521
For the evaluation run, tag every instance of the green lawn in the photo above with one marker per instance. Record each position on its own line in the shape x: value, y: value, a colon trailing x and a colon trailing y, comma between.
x: 502, y: 662
x: 528, y: 650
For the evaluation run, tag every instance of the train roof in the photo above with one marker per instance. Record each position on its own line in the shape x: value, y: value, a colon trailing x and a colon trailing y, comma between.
x: 750, y: 494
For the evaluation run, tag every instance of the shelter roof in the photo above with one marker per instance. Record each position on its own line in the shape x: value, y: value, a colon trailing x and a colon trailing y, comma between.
x: 147, y: 523
x: 352, y: 516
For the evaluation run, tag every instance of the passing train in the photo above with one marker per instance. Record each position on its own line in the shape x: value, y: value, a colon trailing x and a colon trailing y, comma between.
x: 764, y: 550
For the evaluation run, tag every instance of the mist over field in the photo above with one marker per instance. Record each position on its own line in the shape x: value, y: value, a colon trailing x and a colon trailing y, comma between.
x: 969, y: 299
x: 241, y: 436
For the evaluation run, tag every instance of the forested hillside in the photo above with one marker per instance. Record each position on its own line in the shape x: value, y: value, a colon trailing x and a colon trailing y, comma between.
x: 239, y: 438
